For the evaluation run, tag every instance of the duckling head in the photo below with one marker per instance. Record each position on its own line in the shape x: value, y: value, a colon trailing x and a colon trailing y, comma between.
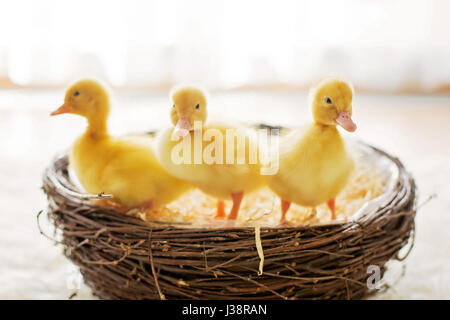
x: 86, y: 98
x: 189, y: 106
x: 332, y: 104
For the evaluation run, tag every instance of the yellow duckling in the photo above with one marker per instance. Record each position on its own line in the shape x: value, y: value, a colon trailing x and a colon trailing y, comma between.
x: 126, y: 168
x: 314, y: 165
x: 219, y: 177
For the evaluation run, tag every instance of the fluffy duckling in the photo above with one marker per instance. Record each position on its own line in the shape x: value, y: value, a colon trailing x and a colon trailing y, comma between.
x: 314, y: 165
x: 126, y: 168
x: 220, y: 178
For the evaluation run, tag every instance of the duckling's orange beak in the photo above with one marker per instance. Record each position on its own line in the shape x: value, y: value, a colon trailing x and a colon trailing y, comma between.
x: 344, y: 119
x: 63, y: 109
x: 182, y: 128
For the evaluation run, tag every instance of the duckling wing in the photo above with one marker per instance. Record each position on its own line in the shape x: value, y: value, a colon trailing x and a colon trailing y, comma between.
x: 134, y: 175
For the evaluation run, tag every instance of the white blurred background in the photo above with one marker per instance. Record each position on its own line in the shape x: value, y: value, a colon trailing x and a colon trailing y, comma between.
x: 382, y: 46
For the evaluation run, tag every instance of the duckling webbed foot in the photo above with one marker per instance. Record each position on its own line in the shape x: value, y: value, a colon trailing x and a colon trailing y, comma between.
x: 332, y: 207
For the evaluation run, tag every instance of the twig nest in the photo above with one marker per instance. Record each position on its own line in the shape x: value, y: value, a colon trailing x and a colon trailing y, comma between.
x: 124, y: 257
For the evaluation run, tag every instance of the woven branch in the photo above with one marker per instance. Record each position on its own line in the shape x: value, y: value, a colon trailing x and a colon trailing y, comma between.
x: 123, y: 257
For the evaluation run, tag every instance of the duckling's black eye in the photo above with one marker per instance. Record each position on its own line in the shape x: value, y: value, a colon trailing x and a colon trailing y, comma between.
x: 76, y: 93
x: 197, y: 106
x: 173, y: 106
x: 329, y: 101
